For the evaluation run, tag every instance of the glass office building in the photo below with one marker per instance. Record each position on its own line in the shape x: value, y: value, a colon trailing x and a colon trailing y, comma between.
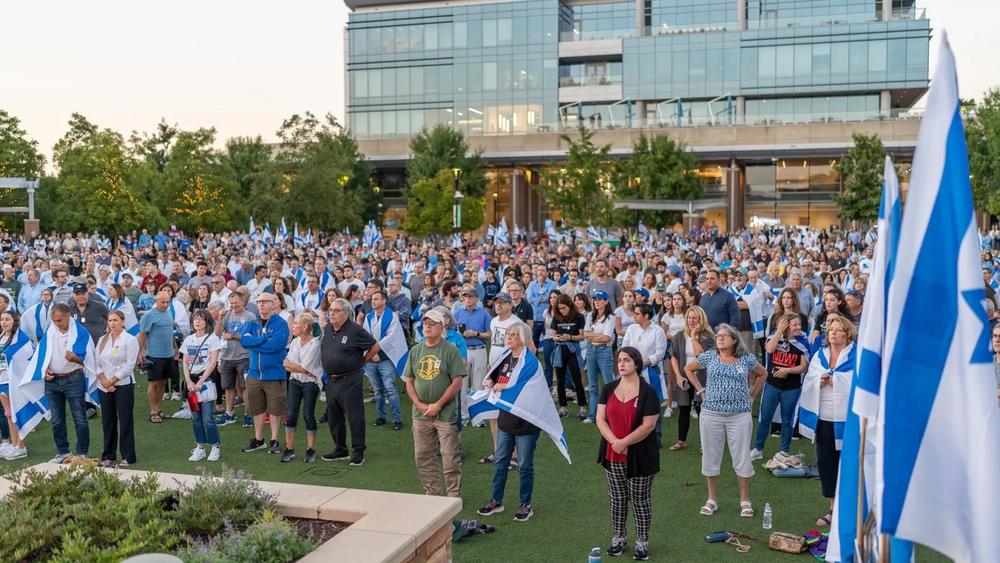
x: 527, y: 70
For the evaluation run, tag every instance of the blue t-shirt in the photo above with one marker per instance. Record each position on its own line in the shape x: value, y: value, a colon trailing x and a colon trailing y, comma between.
x: 159, y: 328
x: 727, y: 388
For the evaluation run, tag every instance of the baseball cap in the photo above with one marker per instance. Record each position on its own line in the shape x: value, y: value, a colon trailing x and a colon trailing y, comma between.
x: 643, y: 292
x: 470, y: 291
x: 504, y: 296
x: 600, y: 295
x: 79, y: 287
x: 435, y: 315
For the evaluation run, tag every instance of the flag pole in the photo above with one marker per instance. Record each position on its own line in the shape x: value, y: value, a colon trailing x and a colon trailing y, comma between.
x: 860, y: 546
x: 883, y: 551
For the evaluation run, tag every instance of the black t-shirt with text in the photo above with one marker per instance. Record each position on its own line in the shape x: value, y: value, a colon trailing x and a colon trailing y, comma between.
x: 505, y: 421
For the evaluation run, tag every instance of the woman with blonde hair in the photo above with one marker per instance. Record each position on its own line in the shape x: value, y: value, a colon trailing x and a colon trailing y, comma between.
x: 305, y: 379
x: 695, y: 338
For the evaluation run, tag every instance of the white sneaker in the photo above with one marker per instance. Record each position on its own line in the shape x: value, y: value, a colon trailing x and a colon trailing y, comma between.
x: 166, y: 396
x: 214, y: 454
x: 756, y: 454
x: 197, y: 454
x: 15, y: 452
x: 4, y: 447
x: 183, y: 414
x: 175, y: 396
x: 668, y: 412
x: 694, y: 414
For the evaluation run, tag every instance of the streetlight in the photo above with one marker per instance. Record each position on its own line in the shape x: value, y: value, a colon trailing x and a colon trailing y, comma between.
x: 496, y: 196
x: 457, y: 209
x: 638, y: 195
x: 378, y: 203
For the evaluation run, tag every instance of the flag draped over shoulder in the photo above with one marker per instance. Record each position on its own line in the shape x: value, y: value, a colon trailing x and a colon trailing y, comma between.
x: 389, y: 334
x: 526, y: 396
x: 19, y: 353
x: 939, y: 422
x: 35, y: 321
x: 125, y: 306
x: 31, y: 405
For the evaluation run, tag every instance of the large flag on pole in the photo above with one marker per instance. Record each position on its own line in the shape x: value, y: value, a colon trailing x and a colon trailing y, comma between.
x: 502, y: 234
x: 938, y: 416
x: 863, y: 397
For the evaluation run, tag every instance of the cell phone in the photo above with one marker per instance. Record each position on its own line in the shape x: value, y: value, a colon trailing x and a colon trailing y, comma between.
x: 461, y: 328
x: 716, y: 537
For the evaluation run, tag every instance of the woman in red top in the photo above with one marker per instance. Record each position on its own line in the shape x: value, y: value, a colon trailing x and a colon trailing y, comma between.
x: 626, y: 416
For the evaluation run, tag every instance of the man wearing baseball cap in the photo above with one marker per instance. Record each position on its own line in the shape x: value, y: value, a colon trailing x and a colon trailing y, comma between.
x: 91, y: 312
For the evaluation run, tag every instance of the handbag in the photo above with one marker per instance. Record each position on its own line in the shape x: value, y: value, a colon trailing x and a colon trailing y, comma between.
x: 786, y: 543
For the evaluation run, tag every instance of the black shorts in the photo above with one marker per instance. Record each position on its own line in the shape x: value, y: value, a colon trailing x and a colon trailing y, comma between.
x: 162, y: 368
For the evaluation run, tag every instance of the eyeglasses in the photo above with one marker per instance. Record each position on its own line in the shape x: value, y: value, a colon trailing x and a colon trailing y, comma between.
x: 337, y: 310
x: 429, y: 322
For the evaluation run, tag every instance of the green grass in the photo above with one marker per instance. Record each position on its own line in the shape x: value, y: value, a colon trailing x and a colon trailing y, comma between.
x: 570, y: 500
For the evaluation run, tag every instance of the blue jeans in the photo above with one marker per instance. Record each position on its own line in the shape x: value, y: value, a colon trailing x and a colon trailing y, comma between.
x: 770, y: 399
x: 548, y: 346
x: 383, y: 379
x: 525, y: 444
x: 205, y: 430
x: 598, y: 361
x: 59, y: 392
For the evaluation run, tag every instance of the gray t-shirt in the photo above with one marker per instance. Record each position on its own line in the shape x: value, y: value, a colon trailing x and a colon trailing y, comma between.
x: 611, y: 287
x: 234, y: 323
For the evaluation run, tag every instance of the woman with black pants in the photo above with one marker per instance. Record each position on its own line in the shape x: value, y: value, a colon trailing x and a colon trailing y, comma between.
x: 568, y: 325
x: 626, y: 417
x: 117, y: 352
x: 695, y: 338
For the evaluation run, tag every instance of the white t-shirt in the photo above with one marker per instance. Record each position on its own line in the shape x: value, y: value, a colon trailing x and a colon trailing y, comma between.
x: 498, y: 336
x: 196, y: 353
x: 308, y: 357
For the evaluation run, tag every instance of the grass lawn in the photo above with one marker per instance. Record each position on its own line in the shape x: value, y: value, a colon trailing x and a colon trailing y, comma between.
x: 570, y: 501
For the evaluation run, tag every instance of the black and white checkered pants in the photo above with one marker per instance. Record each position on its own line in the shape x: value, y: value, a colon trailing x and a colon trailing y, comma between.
x: 621, y: 490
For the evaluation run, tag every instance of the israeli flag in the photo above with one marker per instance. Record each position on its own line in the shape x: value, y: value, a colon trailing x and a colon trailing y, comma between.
x: 309, y: 236
x: 593, y: 234
x: 35, y: 321
x: 389, y: 334
x: 525, y: 396
x: 296, y: 239
x: 939, y: 423
x: 283, y: 230
x: 376, y: 234
x: 755, y: 305
x: 253, y: 228
x: 19, y: 353
x: 125, y: 306
x: 643, y: 231
x: 550, y: 231
x: 366, y: 237
x: 491, y: 233
x: 502, y: 236
x: 842, y: 376
x: 182, y: 321
x: 517, y: 232
x: 31, y: 405
x: 456, y: 241
x: 267, y: 232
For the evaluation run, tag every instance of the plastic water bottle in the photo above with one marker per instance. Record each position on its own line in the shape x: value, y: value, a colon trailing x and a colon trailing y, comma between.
x: 595, y: 555
x: 768, y: 516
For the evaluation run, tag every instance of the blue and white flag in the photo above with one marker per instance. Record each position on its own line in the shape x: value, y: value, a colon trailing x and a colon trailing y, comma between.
x: 755, y: 305
x: 939, y: 423
x: 389, y: 334
x: 283, y: 231
x: 35, y: 321
x: 502, y: 235
x: 550, y: 231
x: 31, y: 405
x: 517, y: 232
x: 125, y: 306
x: 593, y: 234
x: 253, y: 228
x: 296, y: 239
x: 456, y: 241
x: 19, y: 353
x: 267, y: 232
x: 491, y: 233
x: 643, y: 231
x: 841, y: 375
x: 525, y: 396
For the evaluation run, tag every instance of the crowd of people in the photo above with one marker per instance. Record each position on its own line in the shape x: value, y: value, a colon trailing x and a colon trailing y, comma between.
x: 695, y: 326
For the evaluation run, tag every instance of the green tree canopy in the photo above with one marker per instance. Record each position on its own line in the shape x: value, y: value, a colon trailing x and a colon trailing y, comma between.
x: 861, y: 173
x: 983, y: 134
x: 664, y: 171
x: 582, y: 190
x: 94, y: 182
x: 19, y: 158
x: 443, y: 148
x: 199, y: 192
x: 430, y: 207
x: 259, y: 181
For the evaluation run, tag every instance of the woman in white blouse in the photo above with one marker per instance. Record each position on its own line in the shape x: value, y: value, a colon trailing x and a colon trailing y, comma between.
x: 117, y: 352
x: 305, y: 378
x: 600, y: 337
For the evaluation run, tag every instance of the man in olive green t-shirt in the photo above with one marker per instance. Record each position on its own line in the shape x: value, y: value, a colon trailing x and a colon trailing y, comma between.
x: 433, y: 373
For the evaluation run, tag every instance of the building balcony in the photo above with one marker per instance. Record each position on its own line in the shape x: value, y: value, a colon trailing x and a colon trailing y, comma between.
x: 590, y: 49
x: 595, y: 92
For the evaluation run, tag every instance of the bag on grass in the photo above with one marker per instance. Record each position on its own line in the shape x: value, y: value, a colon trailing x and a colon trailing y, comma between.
x: 786, y: 543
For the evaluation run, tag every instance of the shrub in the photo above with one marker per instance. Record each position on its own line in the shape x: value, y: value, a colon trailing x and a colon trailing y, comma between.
x: 212, y: 502
x: 268, y: 540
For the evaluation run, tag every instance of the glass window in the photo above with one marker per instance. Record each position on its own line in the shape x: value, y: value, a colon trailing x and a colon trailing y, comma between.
x: 444, y: 35
x: 431, y: 37
x: 679, y: 70
x: 765, y: 63
x: 489, y: 76
x: 375, y: 124
x: 359, y: 125
x: 359, y: 83
x: 838, y: 62
x: 760, y: 178
x: 859, y: 61
x: 489, y: 33
x: 374, y: 83
x: 803, y: 61
x: 504, y: 32
x: 475, y: 73
x: 749, y: 66
x: 417, y: 81
x: 696, y: 69
x: 821, y: 60
x: 876, y: 56
x: 460, y: 34
x: 784, y: 61
x: 916, y: 55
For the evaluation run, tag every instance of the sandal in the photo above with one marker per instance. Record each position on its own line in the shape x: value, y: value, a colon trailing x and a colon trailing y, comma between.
x: 825, y: 520
x: 677, y: 447
x: 106, y: 462
x: 123, y: 463
x: 710, y: 507
x: 746, y: 509
x: 485, y: 460
x: 155, y: 418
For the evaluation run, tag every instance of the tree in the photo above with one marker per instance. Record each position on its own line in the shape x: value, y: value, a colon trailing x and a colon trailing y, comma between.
x: 94, y: 188
x: 581, y: 191
x: 443, y: 148
x: 430, y: 202
x: 664, y: 171
x: 199, y: 192
x: 259, y: 182
x: 861, y: 173
x: 19, y: 158
x: 324, y: 173
x: 983, y: 134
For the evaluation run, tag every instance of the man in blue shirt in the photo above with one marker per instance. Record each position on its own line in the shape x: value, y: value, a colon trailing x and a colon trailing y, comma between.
x: 267, y: 341
x: 31, y: 292
x: 720, y: 306
x: 538, y: 298
x: 473, y: 323
x: 156, y: 343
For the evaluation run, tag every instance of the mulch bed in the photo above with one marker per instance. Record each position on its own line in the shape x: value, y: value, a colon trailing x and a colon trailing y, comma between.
x: 317, y: 530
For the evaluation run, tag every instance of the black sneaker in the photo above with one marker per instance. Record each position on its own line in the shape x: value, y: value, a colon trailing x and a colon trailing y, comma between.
x: 397, y: 425
x: 323, y: 419
x: 336, y: 455
x: 357, y: 460
x: 379, y: 421
x: 275, y: 448
x: 287, y: 455
x: 254, y: 445
x: 310, y: 455
x: 490, y: 509
x: 524, y: 513
x: 617, y: 547
x: 641, y: 552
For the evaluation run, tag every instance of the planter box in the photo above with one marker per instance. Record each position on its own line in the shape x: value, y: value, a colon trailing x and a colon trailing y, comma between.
x: 385, y: 527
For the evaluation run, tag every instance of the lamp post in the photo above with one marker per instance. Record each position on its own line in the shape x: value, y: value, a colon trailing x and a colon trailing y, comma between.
x: 378, y: 204
x: 496, y: 212
x: 638, y: 196
x: 457, y: 209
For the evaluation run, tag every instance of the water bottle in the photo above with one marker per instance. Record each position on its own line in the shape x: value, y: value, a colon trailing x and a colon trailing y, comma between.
x: 768, y: 516
x: 595, y: 555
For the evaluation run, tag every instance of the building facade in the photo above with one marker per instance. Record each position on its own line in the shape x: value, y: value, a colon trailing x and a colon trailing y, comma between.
x: 766, y: 93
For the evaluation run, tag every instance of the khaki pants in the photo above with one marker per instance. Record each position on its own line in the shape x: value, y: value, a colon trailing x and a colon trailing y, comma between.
x: 427, y: 435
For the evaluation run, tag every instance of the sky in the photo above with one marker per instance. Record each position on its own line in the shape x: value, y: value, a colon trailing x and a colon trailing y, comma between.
x: 243, y: 67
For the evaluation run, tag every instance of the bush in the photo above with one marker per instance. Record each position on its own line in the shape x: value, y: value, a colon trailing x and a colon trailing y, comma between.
x: 269, y: 540
x: 213, y: 502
